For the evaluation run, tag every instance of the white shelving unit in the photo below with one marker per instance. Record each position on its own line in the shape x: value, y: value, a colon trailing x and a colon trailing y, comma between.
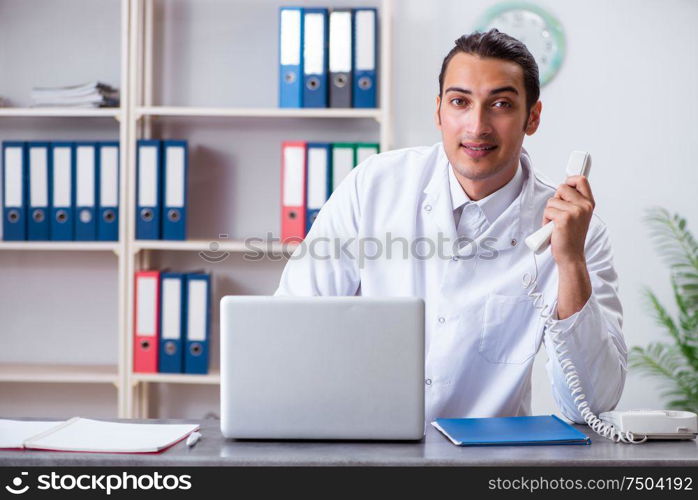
x: 75, y: 246
x: 59, y: 374
x: 375, y: 114
x: 139, y: 117
x: 62, y: 112
x: 68, y: 373
x: 235, y: 246
x: 142, y: 118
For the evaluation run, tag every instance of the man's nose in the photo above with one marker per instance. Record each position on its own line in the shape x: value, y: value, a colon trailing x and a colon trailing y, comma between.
x: 478, y: 124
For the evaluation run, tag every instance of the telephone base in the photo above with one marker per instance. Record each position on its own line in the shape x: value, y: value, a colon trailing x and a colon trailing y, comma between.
x: 665, y: 437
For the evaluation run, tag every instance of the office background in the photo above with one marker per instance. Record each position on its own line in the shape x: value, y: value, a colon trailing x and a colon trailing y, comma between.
x: 625, y: 93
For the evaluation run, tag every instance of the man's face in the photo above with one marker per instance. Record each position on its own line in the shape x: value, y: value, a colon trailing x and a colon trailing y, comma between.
x: 482, y: 115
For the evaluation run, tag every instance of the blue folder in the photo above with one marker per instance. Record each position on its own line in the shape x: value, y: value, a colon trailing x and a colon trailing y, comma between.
x: 173, y: 318
x: 198, y: 322
x: 86, y: 183
x: 39, y: 178
x: 148, y: 189
x: 63, y: 195
x: 175, y: 168
x: 108, y: 220
x: 291, y: 57
x: 538, y: 430
x: 365, y: 57
x: 315, y: 59
x: 318, y: 179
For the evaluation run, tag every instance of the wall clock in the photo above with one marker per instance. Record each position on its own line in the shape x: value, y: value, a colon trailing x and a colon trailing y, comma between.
x: 539, y: 30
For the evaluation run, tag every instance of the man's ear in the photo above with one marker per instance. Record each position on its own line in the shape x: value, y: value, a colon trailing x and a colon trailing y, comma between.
x: 437, y: 113
x: 533, y: 118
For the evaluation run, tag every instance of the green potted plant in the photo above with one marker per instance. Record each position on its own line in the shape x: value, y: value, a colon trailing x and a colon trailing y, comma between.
x: 675, y: 362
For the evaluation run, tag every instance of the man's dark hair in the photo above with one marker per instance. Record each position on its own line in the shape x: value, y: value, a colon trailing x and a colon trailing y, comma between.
x: 498, y: 45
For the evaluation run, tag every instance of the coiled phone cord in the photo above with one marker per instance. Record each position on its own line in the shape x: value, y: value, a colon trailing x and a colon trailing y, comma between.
x: 602, y: 428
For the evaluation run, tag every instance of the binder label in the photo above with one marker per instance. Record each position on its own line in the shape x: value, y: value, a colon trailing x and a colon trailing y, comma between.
x: 317, y: 177
x: 196, y: 325
x: 314, y: 50
x: 174, y: 190
x: 290, y: 37
x: 38, y: 189
x: 85, y: 176
x: 365, y: 40
x: 148, y: 183
x: 171, y: 298
x: 147, y: 293
x: 293, y: 176
x: 61, y: 177
x: 340, y: 42
x: 342, y: 163
x: 13, y: 177
x: 109, y: 176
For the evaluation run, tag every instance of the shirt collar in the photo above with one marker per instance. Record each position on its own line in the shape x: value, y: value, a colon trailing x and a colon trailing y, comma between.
x: 492, y: 205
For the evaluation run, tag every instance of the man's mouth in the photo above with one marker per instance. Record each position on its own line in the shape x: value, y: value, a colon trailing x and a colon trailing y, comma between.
x: 478, y: 150
x: 479, y: 147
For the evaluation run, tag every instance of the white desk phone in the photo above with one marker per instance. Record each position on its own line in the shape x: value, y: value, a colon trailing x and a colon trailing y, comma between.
x: 633, y: 426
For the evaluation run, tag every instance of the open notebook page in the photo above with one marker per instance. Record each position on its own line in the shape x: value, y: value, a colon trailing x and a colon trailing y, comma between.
x: 82, y: 434
x: 13, y: 433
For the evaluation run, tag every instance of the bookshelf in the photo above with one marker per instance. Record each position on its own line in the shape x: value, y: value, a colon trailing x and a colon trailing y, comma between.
x: 158, y: 111
x: 50, y: 347
x: 62, y: 112
x: 74, y: 246
x: 257, y: 112
x: 237, y: 246
x: 59, y: 373
x: 234, y: 131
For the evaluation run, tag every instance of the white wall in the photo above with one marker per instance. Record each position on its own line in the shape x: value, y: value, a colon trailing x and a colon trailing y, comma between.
x: 626, y: 93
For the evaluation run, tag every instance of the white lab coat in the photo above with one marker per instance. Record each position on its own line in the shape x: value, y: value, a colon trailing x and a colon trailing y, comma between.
x: 482, y: 332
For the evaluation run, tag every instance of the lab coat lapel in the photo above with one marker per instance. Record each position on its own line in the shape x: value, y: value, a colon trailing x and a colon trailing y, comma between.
x: 437, y: 205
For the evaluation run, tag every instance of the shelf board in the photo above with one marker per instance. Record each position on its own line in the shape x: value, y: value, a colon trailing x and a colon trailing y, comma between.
x: 374, y: 113
x: 232, y: 246
x: 82, y: 246
x: 85, y: 374
x: 212, y: 378
x: 61, y: 112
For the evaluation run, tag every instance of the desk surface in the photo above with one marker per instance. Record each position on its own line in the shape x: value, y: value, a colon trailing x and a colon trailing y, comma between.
x: 434, y: 449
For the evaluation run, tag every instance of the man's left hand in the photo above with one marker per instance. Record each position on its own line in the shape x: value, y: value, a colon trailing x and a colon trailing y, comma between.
x: 570, y: 209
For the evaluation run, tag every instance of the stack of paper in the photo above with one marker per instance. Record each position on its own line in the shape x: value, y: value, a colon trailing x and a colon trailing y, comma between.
x: 88, y: 95
x: 81, y: 434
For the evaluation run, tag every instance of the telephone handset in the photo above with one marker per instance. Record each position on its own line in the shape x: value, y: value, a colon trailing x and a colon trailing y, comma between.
x: 578, y: 164
x: 634, y: 426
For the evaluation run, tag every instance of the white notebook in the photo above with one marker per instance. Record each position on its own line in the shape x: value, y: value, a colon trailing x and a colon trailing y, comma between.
x: 82, y: 434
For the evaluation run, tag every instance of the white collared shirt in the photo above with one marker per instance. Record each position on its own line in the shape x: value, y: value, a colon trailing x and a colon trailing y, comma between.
x: 482, y: 331
x: 474, y: 217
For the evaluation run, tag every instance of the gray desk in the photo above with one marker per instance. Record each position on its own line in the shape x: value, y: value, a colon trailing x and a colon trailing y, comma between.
x: 213, y: 449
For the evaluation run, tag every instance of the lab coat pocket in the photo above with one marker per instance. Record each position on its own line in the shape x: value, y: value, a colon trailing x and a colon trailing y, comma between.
x: 508, y: 334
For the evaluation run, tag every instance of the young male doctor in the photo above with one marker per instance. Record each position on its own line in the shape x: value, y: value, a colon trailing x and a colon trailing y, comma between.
x: 447, y: 223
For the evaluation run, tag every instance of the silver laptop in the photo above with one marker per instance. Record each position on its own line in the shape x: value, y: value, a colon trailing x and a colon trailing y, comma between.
x: 322, y: 368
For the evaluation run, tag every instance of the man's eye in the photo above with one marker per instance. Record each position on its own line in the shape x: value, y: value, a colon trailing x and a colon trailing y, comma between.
x: 457, y: 101
x: 502, y: 104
